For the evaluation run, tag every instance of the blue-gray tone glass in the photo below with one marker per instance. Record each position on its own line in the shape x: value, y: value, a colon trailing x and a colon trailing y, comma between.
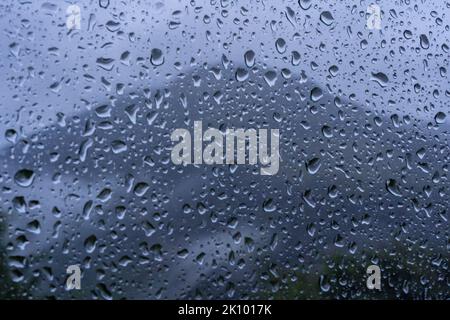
x: 89, y: 100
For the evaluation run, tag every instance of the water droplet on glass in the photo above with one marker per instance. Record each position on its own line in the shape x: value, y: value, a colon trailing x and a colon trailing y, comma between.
x: 424, y: 42
x: 270, y: 77
x: 316, y: 94
x: 24, y: 177
x: 249, y: 58
x: 280, y: 44
x: 327, y: 18
x: 241, y: 74
x: 439, y: 118
x: 380, y: 78
x: 156, y: 57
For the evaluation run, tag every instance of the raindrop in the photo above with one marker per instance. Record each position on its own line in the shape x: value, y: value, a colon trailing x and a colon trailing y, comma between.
x: 183, y: 253
x: 24, y: 177
x: 424, y: 43
x: 241, y: 74
x: 11, y: 135
x: 333, y: 70
x: 332, y: 191
x: 324, y: 283
x: 34, y: 227
x: 392, y: 187
x: 313, y: 165
x: 90, y: 243
x: 105, y: 63
x: 269, y: 206
x: 280, y: 44
x: 104, y: 195
x: 249, y: 58
x: 439, y: 118
x: 156, y: 57
x: 327, y: 132
x: 295, y: 58
x: 19, y: 204
x: 380, y: 78
x: 141, y: 188
x: 316, y: 94
x: 327, y: 18
x: 103, y: 3
x: 305, y: 4
x: 118, y: 146
x: 270, y: 77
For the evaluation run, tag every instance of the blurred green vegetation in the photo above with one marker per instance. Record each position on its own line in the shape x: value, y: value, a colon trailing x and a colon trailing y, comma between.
x: 10, y: 290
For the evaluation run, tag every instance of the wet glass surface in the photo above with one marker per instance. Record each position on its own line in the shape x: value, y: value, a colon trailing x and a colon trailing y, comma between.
x: 91, y: 95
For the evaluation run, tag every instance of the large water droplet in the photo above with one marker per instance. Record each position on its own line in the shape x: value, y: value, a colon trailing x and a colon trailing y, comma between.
x: 316, y: 94
x: 313, y: 165
x: 11, y: 135
x: 118, y: 146
x: 90, y: 243
x: 156, y: 57
x: 380, y: 78
x: 424, y: 42
x: 241, y: 74
x: 249, y: 58
x: 270, y: 77
x: 295, y: 58
x: 392, y: 187
x: 305, y: 4
x: 440, y: 117
x: 24, y: 177
x: 280, y: 44
x: 269, y: 206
